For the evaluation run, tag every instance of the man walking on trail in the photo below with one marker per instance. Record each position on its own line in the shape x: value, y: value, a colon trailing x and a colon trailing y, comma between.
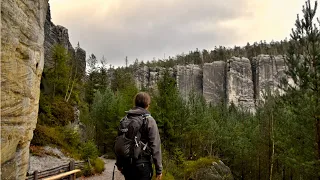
x: 148, y: 141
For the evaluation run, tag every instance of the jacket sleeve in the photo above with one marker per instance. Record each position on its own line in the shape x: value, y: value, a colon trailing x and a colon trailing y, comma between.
x: 155, y: 145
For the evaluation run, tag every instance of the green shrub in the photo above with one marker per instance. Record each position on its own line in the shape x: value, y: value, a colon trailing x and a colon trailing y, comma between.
x: 98, y: 165
x: 62, y: 111
x: 89, y: 150
x: 71, y: 137
x: 44, y: 135
x: 173, y: 163
x: 178, y: 157
x: 88, y: 170
x: 54, y: 112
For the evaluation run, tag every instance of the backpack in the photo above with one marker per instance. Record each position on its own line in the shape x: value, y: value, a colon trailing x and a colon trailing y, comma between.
x: 128, y: 143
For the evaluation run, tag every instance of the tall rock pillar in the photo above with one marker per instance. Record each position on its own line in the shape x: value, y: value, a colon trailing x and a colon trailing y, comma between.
x: 22, y: 60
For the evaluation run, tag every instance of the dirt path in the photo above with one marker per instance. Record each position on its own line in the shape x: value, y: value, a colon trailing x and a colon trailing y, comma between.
x: 107, y: 173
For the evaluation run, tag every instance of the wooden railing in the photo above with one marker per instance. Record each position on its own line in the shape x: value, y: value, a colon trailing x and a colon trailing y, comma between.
x: 55, y: 171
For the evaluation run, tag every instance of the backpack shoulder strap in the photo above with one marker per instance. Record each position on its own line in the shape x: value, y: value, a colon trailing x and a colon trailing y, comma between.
x: 145, y: 118
x: 121, y: 128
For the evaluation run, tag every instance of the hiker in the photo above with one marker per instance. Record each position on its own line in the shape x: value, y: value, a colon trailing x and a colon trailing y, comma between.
x: 138, y: 142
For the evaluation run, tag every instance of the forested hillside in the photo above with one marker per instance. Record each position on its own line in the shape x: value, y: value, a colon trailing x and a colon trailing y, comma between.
x: 280, y: 141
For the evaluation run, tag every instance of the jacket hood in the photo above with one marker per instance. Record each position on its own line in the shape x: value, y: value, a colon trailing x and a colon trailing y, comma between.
x: 138, y: 110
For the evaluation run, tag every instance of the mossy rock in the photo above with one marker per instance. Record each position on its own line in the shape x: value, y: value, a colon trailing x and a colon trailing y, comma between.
x: 207, y: 169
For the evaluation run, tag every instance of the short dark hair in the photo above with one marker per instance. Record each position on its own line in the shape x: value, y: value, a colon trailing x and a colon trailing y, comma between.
x: 142, y: 99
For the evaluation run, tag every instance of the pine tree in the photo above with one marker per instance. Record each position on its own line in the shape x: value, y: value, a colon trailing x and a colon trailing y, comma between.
x: 92, y: 62
x: 303, y: 61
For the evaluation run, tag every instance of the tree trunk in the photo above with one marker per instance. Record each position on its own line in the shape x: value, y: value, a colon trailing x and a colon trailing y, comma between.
x: 317, y: 117
x: 272, y: 146
x: 74, y: 79
x: 70, y: 77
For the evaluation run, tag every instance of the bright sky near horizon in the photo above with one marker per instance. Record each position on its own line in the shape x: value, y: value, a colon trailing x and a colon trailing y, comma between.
x: 145, y: 29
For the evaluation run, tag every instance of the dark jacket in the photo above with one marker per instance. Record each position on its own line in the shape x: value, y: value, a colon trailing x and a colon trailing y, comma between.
x: 151, y: 136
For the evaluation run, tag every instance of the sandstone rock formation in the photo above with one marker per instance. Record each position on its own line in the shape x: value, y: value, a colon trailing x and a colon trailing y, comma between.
x: 80, y: 58
x: 22, y: 60
x: 54, y: 35
x: 269, y: 71
x: 59, y: 35
x: 236, y: 81
x: 189, y: 78
x: 214, y: 82
x: 147, y: 77
x: 239, y: 84
x: 141, y: 77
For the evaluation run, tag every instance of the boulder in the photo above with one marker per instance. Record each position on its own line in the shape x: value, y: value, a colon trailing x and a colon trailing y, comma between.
x: 217, y: 171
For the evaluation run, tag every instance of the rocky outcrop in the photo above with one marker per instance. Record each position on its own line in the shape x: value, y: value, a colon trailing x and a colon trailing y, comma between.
x: 269, y: 71
x: 141, y: 77
x: 217, y: 171
x: 22, y: 60
x: 229, y: 82
x: 237, y: 81
x: 147, y: 77
x: 56, y: 34
x: 214, y: 82
x: 80, y: 58
x: 189, y: 78
x: 239, y: 87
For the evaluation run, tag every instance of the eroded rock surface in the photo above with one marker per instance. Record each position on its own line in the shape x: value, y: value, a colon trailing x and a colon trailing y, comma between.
x: 147, y: 77
x: 189, y: 78
x: 270, y: 70
x: 240, y: 85
x: 236, y: 80
x: 214, y: 82
x: 22, y: 60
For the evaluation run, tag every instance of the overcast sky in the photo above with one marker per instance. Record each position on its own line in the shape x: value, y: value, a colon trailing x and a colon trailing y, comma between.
x: 145, y: 29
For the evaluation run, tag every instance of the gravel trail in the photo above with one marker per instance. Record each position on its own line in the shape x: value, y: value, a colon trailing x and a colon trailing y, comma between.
x: 107, y: 173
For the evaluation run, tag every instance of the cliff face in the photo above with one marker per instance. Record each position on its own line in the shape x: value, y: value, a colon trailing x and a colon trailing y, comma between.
x: 214, y: 75
x: 240, y: 87
x: 189, y: 78
x: 147, y: 77
x: 22, y: 60
x: 269, y: 72
x: 56, y: 34
x: 236, y: 81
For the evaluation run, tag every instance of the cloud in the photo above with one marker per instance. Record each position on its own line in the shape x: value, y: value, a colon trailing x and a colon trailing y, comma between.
x: 145, y: 29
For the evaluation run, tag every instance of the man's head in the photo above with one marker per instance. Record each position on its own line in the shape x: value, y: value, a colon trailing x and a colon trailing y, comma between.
x: 142, y: 99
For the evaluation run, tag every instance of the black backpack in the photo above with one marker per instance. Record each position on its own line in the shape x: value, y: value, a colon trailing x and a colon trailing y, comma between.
x: 128, y: 143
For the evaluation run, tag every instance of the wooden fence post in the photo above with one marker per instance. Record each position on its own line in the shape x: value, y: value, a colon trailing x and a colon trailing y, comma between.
x: 71, y: 167
x: 35, y: 175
